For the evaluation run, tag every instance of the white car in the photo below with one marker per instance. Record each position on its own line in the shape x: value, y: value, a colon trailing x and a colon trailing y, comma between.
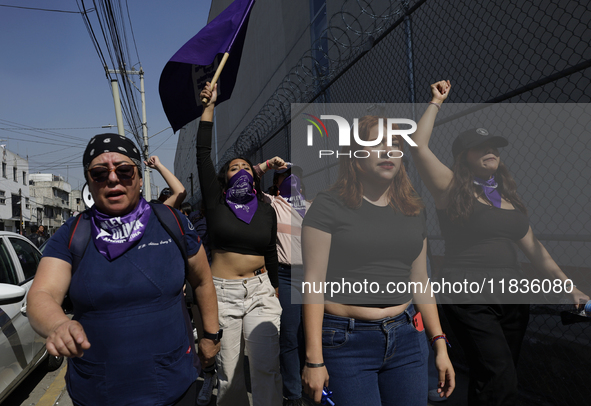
x: 21, y: 349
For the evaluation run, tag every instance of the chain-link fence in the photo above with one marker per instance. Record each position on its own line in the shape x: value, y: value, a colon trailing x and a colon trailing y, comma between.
x: 498, y: 52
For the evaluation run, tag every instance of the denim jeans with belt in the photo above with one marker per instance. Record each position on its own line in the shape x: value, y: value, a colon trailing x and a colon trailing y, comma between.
x: 378, y: 362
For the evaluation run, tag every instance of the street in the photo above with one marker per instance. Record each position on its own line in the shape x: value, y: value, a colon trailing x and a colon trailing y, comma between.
x: 41, y: 389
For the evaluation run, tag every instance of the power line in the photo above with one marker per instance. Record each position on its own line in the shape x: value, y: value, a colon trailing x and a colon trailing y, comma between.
x: 114, y: 34
x: 48, y: 129
x: 155, y: 149
x: 29, y: 128
x: 42, y: 9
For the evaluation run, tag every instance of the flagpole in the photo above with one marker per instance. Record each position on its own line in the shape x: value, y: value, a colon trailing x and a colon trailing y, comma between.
x: 218, y: 72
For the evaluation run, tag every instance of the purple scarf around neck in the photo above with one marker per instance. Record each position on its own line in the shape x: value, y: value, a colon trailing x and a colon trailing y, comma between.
x: 290, y: 191
x: 490, y: 190
x: 241, y: 196
x: 113, y: 236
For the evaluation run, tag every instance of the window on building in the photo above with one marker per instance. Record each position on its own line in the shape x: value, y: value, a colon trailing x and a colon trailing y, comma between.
x: 27, y: 204
x: 24, y: 178
x: 4, y: 170
x: 14, y: 174
x: 16, y: 206
x: 2, y: 197
x: 49, y: 212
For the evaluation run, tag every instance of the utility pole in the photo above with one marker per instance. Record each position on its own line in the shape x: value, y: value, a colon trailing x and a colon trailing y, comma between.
x: 117, y: 100
x: 20, y: 196
x: 145, y: 150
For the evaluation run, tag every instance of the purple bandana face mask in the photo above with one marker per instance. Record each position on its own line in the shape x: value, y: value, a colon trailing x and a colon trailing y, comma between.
x: 490, y: 190
x: 113, y: 236
x: 241, y: 197
x: 290, y: 191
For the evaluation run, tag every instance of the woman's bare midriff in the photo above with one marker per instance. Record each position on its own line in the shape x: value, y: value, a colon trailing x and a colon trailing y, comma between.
x: 363, y: 313
x: 231, y: 265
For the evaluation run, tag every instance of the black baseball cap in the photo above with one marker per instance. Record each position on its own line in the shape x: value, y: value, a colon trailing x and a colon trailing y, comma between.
x: 474, y: 137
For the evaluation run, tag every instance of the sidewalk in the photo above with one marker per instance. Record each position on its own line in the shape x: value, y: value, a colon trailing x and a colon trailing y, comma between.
x: 57, y: 394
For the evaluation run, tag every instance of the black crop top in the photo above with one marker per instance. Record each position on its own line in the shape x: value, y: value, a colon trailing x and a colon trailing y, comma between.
x: 227, y: 232
x: 372, y: 243
x: 486, y: 239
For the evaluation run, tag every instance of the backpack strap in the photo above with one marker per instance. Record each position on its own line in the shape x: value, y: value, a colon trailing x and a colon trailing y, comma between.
x: 77, y: 245
x: 172, y: 223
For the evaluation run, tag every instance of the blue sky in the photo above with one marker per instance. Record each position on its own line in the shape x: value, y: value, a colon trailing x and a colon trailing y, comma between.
x: 51, y: 77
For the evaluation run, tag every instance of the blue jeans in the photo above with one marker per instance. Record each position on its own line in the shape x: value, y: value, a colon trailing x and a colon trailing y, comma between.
x: 291, y: 339
x: 375, y: 363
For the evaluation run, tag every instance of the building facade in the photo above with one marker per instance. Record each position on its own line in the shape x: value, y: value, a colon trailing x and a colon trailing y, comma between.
x: 76, y: 202
x: 15, y: 202
x: 51, y: 196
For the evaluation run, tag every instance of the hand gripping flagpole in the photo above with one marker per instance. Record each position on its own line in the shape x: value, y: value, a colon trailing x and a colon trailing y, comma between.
x: 185, y: 74
x: 217, y: 74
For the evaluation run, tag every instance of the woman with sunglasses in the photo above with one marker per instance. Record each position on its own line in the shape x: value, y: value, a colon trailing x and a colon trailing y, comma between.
x: 242, y: 231
x: 128, y: 342
x: 369, y: 228
x: 482, y: 218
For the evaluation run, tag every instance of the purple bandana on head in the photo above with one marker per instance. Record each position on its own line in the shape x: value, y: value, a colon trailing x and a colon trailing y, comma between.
x: 241, y: 197
x: 113, y: 236
x: 290, y: 191
x: 490, y: 190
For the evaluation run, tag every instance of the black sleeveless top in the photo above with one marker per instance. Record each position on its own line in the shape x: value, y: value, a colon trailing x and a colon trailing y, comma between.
x: 486, y: 239
x: 225, y: 230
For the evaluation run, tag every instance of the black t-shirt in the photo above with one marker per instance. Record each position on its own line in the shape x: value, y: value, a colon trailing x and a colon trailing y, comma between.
x: 225, y: 230
x: 486, y: 239
x: 371, y: 243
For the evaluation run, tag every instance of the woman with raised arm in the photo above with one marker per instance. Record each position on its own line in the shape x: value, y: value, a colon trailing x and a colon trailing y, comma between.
x: 242, y: 231
x: 481, y: 217
x: 370, y: 226
x: 290, y: 205
x: 176, y: 191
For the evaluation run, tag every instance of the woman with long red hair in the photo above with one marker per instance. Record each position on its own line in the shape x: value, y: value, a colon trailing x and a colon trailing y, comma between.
x: 370, y: 226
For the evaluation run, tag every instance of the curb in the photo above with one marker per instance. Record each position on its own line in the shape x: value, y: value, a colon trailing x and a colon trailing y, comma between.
x: 55, y: 390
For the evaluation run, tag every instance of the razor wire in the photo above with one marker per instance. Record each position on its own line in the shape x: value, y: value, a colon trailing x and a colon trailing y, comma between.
x: 350, y: 33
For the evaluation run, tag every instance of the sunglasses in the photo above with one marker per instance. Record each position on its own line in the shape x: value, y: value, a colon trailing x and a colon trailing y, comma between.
x: 101, y: 174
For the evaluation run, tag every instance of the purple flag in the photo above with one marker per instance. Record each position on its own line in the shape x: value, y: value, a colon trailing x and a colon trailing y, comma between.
x: 185, y: 74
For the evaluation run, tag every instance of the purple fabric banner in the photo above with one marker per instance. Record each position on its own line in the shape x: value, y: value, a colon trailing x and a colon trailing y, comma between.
x: 185, y: 74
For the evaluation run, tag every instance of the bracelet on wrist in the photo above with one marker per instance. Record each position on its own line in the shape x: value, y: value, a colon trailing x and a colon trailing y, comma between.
x: 439, y: 337
x: 313, y: 365
x: 267, y: 162
x: 438, y: 105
